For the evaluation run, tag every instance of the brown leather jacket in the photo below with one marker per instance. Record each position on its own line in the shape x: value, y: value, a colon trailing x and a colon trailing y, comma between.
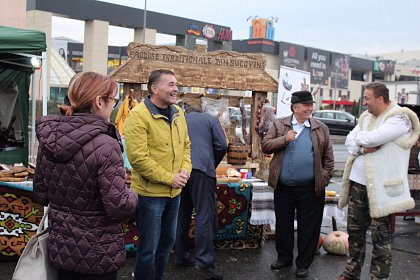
x: 275, y: 142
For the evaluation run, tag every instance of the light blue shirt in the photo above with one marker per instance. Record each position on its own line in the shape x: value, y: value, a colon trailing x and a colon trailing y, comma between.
x: 298, y: 162
x: 299, y: 127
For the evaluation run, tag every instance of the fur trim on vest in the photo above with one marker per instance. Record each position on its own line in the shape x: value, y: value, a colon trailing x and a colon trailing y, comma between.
x: 386, y: 179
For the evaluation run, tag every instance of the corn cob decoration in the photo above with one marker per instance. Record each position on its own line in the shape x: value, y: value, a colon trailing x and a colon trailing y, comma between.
x: 129, y: 103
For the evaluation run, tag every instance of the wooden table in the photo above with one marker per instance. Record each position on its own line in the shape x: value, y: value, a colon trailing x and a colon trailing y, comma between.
x: 414, y: 183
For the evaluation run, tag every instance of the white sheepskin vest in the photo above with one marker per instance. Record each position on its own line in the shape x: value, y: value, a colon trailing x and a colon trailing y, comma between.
x: 386, y: 169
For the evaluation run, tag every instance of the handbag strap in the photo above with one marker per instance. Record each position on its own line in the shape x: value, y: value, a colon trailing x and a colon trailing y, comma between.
x: 42, y: 223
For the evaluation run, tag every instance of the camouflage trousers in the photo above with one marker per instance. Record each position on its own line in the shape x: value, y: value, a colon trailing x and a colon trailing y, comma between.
x: 358, y: 222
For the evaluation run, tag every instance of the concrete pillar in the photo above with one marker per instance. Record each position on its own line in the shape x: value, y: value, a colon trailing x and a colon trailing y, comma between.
x: 187, y: 41
x: 41, y: 21
x: 13, y: 13
x: 369, y: 77
x: 221, y: 45
x: 95, y: 47
x: 150, y: 36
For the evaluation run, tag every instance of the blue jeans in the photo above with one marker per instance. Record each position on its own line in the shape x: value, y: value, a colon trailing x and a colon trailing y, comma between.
x: 156, y: 221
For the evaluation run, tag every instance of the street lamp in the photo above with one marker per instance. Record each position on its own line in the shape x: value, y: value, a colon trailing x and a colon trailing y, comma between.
x: 365, y: 79
x: 416, y: 72
x: 418, y: 85
x: 335, y: 85
x: 397, y: 78
x: 144, y: 21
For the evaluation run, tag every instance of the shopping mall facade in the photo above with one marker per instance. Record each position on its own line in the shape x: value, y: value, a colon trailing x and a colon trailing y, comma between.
x: 338, y: 76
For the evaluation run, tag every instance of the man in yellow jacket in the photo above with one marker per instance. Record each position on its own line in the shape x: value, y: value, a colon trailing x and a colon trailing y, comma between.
x: 158, y: 149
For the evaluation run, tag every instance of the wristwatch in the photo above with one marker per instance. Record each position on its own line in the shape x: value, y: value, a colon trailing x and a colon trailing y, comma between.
x: 360, y: 150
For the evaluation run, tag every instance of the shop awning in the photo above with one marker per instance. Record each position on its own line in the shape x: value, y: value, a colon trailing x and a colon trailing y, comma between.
x: 17, y: 46
x: 21, y: 40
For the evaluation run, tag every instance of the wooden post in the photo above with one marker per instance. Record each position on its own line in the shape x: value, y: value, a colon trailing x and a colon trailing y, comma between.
x: 256, y: 152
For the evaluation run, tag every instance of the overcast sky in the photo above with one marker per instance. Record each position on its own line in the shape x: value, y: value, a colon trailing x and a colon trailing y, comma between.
x: 346, y: 26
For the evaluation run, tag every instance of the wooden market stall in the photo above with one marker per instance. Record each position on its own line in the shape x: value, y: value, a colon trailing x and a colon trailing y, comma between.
x: 225, y: 70
x: 19, y: 214
x: 17, y: 48
x: 222, y: 70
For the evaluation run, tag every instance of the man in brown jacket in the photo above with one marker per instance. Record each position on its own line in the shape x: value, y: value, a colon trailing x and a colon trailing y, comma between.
x: 301, y: 167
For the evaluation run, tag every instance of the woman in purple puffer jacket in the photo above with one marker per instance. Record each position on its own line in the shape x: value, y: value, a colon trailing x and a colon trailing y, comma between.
x: 80, y: 175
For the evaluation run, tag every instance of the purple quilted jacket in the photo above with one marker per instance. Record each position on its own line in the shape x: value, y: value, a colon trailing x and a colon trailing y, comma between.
x: 80, y: 174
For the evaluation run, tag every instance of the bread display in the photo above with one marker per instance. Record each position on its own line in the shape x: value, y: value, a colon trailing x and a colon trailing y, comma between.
x: 15, y: 173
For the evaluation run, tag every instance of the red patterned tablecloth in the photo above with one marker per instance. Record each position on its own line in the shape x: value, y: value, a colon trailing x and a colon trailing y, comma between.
x: 19, y: 219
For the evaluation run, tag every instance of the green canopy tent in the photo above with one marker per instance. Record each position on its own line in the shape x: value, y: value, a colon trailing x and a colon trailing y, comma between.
x: 17, y: 47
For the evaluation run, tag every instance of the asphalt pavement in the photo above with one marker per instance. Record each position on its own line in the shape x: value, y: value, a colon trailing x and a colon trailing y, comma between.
x: 255, y: 263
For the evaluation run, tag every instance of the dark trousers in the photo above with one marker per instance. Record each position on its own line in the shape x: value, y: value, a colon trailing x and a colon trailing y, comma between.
x: 358, y: 222
x: 199, y: 193
x: 71, y: 275
x: 309, y: 210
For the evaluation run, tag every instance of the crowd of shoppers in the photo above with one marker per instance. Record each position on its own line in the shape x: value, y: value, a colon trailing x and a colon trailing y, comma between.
x: 80, y: 175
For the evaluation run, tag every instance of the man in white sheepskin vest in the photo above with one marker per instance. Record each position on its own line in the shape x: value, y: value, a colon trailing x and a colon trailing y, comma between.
x: 375, y: 182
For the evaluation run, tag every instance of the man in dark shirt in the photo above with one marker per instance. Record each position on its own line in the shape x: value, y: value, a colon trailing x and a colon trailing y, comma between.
x: 208, y: 147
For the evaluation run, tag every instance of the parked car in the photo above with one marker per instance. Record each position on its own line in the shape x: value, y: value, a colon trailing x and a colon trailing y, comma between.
x: 236, y: 115
x: 337, y: 121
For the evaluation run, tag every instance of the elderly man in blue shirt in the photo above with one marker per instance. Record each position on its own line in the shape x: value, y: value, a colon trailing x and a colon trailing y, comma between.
x: 301, y: 168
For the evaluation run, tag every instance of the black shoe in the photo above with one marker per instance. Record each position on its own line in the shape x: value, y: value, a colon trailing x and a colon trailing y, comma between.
x: 210, y: 272
x: 301, y: 272
x: 187, y: 263
x: 279, y: 264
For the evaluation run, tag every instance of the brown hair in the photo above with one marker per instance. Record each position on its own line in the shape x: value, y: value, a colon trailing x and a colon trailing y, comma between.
x: 194, y: 108
x: 84, y: 87
x: 154, y: 78
x: 379, y: 89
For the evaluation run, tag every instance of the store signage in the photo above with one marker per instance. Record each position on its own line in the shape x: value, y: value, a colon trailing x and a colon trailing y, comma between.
x: 261, y: 42
x: 208, y: 32
x: 292, y: 55
x: 194, y: 30
x: 224, y: 35
x: 196, y: 58
x: 319, y: 61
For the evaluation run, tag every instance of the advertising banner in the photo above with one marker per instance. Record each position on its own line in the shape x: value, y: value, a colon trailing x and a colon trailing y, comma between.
x: 61, y: 46
x: 319, y: 62
x: 292, y: 55
x: 340, y: 65
x: 290, y: 80
x: 384, y: 66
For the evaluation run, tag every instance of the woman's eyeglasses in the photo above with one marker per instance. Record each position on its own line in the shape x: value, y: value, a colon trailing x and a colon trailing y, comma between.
x: 113, y: 100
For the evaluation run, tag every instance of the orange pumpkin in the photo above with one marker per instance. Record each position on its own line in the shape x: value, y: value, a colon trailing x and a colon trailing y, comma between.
x: 320, y: 241
x: 337, y: 243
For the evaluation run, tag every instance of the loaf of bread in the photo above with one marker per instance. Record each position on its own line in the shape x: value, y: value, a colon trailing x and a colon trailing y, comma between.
x: 223, y: 168
x: 11, y: 179
x: 18, y: 169
x: 5, y: 173
x: 21, y: 174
